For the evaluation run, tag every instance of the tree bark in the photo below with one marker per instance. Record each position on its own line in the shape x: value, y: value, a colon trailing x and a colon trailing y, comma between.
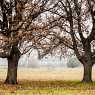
x: 12, y: 72
x: 87, y: 77
x: 12, y: 66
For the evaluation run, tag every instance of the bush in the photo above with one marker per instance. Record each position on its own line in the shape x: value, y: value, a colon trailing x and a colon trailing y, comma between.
x: 73, y: 62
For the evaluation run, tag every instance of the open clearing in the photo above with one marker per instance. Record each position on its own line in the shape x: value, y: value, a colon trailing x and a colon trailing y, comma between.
x: 47, y: 82
x: 47, y: 74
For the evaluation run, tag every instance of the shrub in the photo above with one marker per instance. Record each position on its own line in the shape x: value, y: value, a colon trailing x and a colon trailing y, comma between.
x: 73, y: 62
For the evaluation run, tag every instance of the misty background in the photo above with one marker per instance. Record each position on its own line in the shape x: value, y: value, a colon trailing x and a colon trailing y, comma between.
x: 49, y: 61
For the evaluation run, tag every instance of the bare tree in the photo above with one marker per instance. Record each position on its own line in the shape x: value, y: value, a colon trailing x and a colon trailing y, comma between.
x: 19, y: 29
x: 73, y: 27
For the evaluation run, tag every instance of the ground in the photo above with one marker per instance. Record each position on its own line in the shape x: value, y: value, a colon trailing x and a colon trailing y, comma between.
x: 27, y: 87
x: 47, y: 82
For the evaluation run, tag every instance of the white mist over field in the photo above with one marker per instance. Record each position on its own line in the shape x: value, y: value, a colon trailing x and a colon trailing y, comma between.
x: 32, y: 61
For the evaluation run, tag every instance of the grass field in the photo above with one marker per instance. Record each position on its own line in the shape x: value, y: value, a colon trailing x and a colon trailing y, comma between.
x: 47, y: 82
x: 27, y: 87
x: 47, y: 74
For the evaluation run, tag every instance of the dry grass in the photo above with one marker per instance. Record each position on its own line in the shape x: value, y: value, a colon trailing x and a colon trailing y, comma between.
x: 48, y: 74
x: 27, y: 87
x: 47, y: 82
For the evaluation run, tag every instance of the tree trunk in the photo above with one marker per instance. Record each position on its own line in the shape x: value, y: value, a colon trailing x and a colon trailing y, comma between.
x: 12, y: 72
x: 12, y: 66
x: 87, y: 77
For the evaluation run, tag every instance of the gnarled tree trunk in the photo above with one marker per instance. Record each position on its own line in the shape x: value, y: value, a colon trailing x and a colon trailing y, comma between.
x: 12, y: 66
x: 87, y: 77
x: 87, y: 62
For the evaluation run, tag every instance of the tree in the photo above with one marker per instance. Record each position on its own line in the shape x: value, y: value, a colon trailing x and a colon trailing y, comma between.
x: 18, y: 25
x: 73, y: 27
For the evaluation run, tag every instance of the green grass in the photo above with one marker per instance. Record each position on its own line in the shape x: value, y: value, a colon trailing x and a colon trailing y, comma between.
x: 48, y: 88
x: 51, y: 92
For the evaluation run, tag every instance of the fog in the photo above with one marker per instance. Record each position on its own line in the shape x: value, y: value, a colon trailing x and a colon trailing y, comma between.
x: 32, y: 61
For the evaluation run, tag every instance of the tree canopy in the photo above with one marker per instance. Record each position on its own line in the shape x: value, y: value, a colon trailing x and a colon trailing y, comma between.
x: 73, y: 27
